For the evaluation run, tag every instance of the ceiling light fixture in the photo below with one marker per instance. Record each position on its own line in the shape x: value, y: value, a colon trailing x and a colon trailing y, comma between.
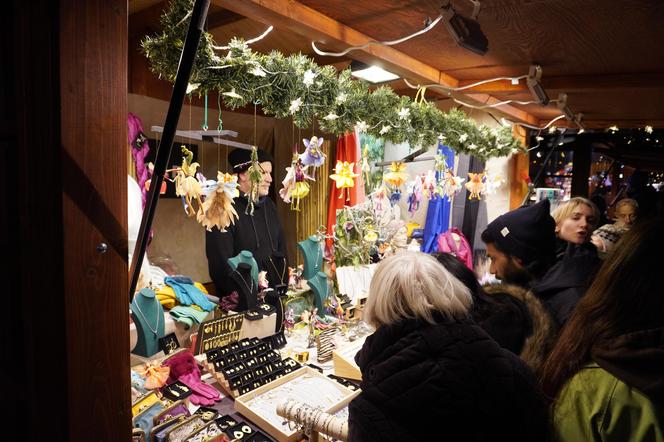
x: 372, y: 74
x: 465, y: 31
x: 533, y: 82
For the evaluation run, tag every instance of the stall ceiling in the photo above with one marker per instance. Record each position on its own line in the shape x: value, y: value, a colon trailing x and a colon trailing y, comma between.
x: 605, y: 55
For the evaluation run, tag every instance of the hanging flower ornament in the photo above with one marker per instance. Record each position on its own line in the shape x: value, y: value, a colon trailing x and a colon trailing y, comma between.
x: 397, y: 175
x: 217, y: 210
x: 365, y: 167
x: 295, y: 186
x: 187, y: 186
x: 415, y: 190
x: 384, y: 130
x: 452, y: 184
x: 312, y: 155
x: 475, y: 185
x: 276, y: 81
x: 344, y: 177
x: 255, y: 175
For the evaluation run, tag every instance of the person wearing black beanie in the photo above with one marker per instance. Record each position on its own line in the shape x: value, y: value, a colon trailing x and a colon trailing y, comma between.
x: 260, y: 233
x: 521, y: 245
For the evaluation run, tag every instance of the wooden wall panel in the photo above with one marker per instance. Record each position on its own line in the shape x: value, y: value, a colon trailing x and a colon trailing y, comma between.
x: 93, y: 84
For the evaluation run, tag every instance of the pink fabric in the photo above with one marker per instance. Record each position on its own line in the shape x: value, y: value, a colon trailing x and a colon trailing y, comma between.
x: 184, y: 368
x: 134, y: 127
x: 447, y: 244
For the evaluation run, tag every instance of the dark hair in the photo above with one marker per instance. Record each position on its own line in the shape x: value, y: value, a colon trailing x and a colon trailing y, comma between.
x: 535, y: 268
x: 624, y: 297
x: 481, y: 301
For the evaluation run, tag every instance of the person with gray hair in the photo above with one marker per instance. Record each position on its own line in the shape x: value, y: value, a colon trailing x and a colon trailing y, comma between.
x: 428, y: 368
x: 626, y: 213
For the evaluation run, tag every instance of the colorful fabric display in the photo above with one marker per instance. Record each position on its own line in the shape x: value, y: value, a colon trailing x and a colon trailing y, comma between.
x: 188, y: 315
x: 187, y: 293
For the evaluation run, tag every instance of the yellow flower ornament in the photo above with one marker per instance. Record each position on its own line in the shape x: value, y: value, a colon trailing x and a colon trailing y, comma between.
x: 397, y: 176
x: 343, y: 176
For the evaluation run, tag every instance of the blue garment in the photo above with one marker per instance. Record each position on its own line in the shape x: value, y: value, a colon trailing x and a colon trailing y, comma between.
x: 438, y: 213
x: 188, y: 294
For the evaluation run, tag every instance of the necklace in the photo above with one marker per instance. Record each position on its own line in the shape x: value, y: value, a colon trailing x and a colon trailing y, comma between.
x: 283, y: 270
x: 156, y: 327
x: 251, y: 289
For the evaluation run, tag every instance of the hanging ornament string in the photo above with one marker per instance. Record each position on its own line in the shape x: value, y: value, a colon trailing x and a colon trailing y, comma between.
x: 204, y: 126
x: 220, y: 123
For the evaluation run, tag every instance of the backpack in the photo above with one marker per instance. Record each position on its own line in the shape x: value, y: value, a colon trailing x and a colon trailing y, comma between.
x: 452, y: 241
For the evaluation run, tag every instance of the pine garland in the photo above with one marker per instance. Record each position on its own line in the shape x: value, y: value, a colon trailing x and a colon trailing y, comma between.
x: 296, y: 87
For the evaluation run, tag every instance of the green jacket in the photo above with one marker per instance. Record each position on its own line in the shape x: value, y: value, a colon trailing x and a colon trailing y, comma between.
x: 596, y: 406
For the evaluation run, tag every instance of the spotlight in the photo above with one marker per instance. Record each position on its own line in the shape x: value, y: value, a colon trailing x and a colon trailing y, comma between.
x: 465, y: 31
x: 533, y: 82
x: 372, y: 74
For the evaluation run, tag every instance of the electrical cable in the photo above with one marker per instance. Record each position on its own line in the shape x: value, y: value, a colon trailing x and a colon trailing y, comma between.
x: 374, y: 42
x: 248, y: 42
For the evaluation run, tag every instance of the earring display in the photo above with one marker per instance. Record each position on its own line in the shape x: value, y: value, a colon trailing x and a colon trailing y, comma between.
x: 305, y: 386
x: 248, y: 364
x: 217, y: 333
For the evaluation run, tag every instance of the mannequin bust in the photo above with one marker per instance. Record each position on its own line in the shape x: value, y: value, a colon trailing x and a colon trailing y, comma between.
x: 246, y: 288
x: 319, y: 286
x: 276, y: 267
x: 246, y: 257
x: 148, y: 315
x: 313, y: 256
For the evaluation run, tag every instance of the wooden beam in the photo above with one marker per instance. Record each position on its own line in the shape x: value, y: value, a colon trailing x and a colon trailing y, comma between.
x: 332, y: 35
x: 573, y: 83
x: 222, y: 17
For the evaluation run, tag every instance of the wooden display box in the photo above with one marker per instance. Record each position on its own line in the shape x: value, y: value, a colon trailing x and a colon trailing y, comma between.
x: 279, y: 433
x: 344, y: 360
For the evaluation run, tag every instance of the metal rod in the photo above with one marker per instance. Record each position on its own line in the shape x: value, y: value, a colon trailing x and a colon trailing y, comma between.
x: 198, y: 17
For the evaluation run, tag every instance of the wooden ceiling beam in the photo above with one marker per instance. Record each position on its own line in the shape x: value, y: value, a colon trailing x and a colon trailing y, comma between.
x: 222, y: 17
x: 575, y: 83
x: 332, y: 35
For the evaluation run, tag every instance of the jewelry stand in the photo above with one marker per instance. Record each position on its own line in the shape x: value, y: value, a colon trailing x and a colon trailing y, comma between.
x: 277, y: 276
x: 247, y: 288
x: 314, y: 419
x: 246, y: 257
x: 148, y: 316
x: 276, y: 267
x: 313, y: 256
x: 319, y: 286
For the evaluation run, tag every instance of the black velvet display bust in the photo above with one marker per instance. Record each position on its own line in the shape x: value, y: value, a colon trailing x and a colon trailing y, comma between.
x: 245, y: 286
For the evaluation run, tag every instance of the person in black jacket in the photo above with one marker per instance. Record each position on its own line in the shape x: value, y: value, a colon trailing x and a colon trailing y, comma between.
x: 429, y: 372
x: 522, y: 247
x: 260, y: 233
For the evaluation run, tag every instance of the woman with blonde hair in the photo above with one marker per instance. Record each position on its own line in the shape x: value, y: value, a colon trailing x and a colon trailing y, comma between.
x: 575, y: 220
x: 429, y: 369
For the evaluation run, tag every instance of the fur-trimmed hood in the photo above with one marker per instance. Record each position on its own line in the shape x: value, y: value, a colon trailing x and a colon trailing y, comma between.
x: 540, y: 336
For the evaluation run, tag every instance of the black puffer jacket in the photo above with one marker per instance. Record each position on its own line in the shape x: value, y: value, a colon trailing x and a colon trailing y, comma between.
x: 448, y: 381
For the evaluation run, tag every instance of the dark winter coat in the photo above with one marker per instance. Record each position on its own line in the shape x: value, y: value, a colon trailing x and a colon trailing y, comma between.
x: 567, y: 280
x: 517, y: 321
x: 261, y: 234
x: 443, y: 381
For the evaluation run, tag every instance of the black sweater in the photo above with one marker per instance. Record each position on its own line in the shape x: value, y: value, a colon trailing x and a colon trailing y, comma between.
x: 261, y: 234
